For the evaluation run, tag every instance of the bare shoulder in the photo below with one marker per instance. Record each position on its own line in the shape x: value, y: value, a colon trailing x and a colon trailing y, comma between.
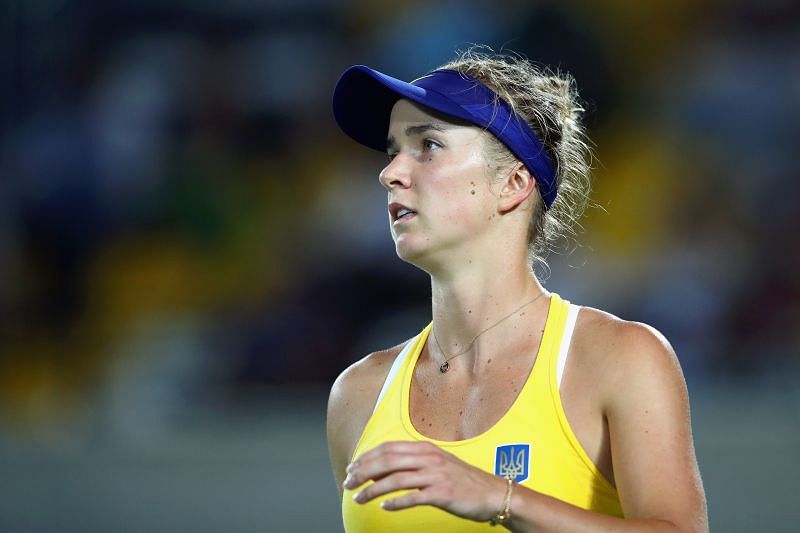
x: 351, y: 401
x: 610, y: 331
x: 359, y: 383
x: 620, y: 353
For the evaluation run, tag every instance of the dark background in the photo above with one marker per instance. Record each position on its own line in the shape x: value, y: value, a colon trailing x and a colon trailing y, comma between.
x: 191, y: 251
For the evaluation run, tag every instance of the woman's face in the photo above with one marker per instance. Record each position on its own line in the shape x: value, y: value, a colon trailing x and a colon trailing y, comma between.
x: 440, y: 201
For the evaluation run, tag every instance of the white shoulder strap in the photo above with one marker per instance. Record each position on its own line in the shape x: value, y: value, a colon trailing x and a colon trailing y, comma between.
x: 398, y: 362
x: 569, y: 328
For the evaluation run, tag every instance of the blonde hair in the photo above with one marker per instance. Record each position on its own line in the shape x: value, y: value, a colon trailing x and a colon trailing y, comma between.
x: 548, y: 101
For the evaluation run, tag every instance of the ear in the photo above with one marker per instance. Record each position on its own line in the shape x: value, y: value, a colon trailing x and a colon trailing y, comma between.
x: 515, y: 188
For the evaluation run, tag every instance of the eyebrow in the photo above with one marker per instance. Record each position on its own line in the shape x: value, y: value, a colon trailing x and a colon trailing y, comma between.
x: 415, y: 130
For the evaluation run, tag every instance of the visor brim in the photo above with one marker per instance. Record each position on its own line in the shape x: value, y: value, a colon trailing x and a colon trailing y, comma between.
x: 363, y: 100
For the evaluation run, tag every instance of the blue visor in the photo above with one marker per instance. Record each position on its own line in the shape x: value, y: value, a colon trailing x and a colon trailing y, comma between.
x: 363, y: 101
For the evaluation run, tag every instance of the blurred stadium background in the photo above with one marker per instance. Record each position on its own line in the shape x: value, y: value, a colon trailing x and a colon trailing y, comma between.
x: 191, y: 251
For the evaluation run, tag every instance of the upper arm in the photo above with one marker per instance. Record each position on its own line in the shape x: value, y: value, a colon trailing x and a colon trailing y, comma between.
x: 647, y: 408
x: 339, y: 431
x: 350, y: 404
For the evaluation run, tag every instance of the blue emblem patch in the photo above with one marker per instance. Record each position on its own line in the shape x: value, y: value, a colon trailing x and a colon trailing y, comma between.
x: 513, y: 461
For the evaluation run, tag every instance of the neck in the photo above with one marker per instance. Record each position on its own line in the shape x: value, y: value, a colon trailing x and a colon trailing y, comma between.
x: 467, y: 303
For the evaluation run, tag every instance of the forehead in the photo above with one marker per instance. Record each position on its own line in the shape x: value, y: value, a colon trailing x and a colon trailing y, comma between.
x: 405, y: 113
x: 406, y: 110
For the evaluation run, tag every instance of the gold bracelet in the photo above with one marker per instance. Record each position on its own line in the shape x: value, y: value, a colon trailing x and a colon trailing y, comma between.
x: 503, y: 516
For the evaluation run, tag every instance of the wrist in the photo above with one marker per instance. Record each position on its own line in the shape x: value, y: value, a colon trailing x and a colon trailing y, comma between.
x: 504, y: 511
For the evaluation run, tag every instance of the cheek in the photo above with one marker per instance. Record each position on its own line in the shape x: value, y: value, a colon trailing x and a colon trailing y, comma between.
x: 463, y: 192
x: 465, y: 208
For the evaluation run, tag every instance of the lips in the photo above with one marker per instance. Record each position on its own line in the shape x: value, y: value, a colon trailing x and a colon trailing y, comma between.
x: 399, y: 212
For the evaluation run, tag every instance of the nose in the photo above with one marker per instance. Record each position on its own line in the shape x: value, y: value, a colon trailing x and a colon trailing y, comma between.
x: 396, y: 174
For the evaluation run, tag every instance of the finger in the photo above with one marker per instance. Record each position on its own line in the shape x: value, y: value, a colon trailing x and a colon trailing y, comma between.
x: 383, y: 465
x: 398, y: 446
x: 395, y: 482
x: 409, y: 499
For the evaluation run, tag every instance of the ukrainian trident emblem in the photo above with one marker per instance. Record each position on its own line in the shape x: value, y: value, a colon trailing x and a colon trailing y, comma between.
x: 513, y: 461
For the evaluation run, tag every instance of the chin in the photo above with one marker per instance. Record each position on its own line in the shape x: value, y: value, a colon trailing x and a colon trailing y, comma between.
x: 418, y: 254
x: 409, y: 249
x: 405, y: 249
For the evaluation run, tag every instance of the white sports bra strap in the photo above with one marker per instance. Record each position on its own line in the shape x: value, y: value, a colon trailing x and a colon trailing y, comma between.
x: 398, y: 362
x: 569, y: 328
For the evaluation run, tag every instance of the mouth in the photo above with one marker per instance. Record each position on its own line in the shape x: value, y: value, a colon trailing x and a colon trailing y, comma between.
x: 400, y: 213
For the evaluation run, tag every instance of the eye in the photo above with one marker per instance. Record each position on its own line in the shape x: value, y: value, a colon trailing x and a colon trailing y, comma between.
x: 391, y: 155
x: 430, y: 144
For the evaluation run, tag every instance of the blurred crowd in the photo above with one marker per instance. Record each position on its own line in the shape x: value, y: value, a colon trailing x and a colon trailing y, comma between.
x: 183, y: 226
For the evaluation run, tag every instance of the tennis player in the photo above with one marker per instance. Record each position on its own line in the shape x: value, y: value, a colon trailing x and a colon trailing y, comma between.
x: 513, y: 407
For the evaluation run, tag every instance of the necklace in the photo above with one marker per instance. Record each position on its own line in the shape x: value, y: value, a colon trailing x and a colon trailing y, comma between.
x: 444, y: 367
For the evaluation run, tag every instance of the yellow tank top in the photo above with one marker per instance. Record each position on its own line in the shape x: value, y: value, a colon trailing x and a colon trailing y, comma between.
x: 532, y: 442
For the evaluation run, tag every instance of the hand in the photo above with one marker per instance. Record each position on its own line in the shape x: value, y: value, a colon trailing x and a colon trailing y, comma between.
x: 441, y: 480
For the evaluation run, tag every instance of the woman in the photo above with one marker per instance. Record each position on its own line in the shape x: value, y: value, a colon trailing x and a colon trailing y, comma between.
x: 513, y: 406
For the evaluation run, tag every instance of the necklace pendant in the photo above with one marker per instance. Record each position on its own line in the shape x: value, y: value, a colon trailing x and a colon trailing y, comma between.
x: 444, y: 367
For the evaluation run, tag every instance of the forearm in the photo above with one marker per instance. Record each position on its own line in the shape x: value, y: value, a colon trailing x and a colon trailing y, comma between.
x: 533, y: 511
